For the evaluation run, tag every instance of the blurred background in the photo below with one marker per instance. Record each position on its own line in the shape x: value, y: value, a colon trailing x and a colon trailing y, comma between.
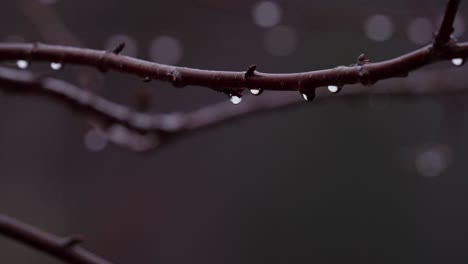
x: 369, y: 180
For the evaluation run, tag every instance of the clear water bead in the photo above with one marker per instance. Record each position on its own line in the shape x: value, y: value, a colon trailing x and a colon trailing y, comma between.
x: 22, y: 64
x: 308, y: 96
x: 256, y: 91
x: 458, y: 62
x: 56, y: 66
x: 334, y: 88
x: 235, y: 99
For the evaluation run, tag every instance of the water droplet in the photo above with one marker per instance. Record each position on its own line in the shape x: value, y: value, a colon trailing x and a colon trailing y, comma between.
x: 256, y: 91
x: 309, y: 95
x: 235, y: 99
x: 458, y: 62
x: 334, y: 88
x: 56, y: 66
x: 22, y: 64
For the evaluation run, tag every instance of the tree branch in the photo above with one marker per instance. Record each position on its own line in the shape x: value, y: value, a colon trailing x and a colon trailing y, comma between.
x: 230, y: 82
x: 149, y: 130
x: 66, y: 248
x: 365, y: 74
x: 120, y: 123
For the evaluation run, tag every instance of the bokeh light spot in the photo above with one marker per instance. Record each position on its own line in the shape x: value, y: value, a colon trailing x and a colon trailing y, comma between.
x: 431, y: 162
x: 420, y: 30
x: 281, y: 40
x: 94, y: 140
x: 379, y: 27
x: 267, y: 14
x: 166, y: 50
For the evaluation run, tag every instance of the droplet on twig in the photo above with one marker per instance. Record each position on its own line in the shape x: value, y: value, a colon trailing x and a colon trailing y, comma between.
x: 256, y: 91
x: 235, y: 98
x: 56, y: 66
x: 458, y: 62
x: 22, y: 64
x: 308, y: 95
x: 335, y: 88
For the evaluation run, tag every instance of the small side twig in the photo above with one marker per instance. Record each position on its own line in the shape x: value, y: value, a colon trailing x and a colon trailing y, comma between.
x: 119, y: 48
x: 446, y: 29
x: 250, y: 71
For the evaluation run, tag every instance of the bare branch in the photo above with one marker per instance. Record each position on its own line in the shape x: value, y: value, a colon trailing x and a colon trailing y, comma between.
x: 65, y: 249
x: 366, y: 74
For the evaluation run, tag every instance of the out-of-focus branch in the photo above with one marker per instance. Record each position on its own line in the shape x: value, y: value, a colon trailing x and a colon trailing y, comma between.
x: 64, y: 248
x: 50, y: 26
x: 144, y: 131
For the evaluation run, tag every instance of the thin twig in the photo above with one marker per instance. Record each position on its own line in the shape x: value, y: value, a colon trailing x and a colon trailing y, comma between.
x: 53, y: 245
x: 227, y: 81
x: 167, y: 126
x: 366, y: 74
x: 442, y: 37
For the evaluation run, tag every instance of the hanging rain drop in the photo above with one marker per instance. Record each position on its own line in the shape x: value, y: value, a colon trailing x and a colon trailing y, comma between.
x: 308, y: 96
x: 334, y: 88
x: 256, y: 91
x: 235, y: 99
x: 458, y: 62
x: 22, y: 64
x: 56, y: 66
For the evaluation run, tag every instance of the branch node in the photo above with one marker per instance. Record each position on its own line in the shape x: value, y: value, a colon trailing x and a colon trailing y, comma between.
x: 365, y: 76
x: 119, y: 48
x: 101, y: 66
x: 362, y: 60
x: 34, y: 47
x: 175, y: 77
x: 250, y: 71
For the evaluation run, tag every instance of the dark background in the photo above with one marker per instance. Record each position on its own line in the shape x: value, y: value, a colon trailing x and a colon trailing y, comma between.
x: 373, y: 180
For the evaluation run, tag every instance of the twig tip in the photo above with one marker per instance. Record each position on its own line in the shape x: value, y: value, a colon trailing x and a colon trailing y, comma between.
x: 119, y: 48
x: 250, y: 70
